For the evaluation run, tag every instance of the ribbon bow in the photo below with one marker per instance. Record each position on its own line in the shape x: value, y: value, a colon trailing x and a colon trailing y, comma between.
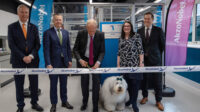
x: 119, y: 79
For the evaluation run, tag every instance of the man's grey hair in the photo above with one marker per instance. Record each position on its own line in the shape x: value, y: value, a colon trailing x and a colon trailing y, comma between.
x: 20, y: 6
x: 91, y: 21
x: 57, y: 14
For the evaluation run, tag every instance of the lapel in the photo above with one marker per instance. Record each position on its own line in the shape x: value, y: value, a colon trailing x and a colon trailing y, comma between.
x: 94, y: 39
x: 21, y: 36
x: 28, y: 31
x: 63, y: 37
x: 151, y: 34
x: 55, y: 35
x: 86, y: 39
x: 143, y: 33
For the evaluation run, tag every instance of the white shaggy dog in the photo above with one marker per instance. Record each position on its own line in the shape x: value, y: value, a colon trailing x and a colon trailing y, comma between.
x: 113, y: 93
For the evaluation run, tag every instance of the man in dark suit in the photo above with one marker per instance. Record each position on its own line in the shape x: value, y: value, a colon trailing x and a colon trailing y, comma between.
x: 24, y: 44
x: 153, y: 44
x: 89, y: 50
x: 57, y: 54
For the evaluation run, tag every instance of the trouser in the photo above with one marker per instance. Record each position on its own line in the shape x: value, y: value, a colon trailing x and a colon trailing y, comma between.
x: 156, y: 82
x: 95, y: 89
x: 19, y: 84
x: 53, y: 88
x: 133, y: 88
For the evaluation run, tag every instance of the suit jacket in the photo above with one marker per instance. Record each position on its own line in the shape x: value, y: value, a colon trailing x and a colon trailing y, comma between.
x: 154, y: 47
x: 53, y: 49
x: 81, y: 45
x: 18, y: 45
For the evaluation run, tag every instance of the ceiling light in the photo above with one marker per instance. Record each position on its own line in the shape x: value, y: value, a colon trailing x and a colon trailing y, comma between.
x: 157, y: 1
x: 90, y: 1
x: 25, y: 2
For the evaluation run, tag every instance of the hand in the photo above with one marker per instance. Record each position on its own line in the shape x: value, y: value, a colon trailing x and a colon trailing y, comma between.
x: 70, y: 65
x: 24, y: 59
x: 49, y: 66
x: 27, y: 59
x: 141, y: 65
x: 96, y: 66
x: 83, y: 63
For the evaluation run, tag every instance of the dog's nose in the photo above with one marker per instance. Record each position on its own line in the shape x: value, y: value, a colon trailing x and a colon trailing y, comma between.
x: 120, y: 88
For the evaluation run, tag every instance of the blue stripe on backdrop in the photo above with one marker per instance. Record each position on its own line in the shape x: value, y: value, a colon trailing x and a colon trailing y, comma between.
x: 111, y: 49
x: 158, y: 16
x: 85, y: 13
x: 193, y: 58
x: 110, y: 58
x: 41, y: 17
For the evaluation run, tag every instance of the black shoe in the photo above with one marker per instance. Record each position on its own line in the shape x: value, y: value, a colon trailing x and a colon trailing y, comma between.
x: 128, y: 103
x: 67, y: 105
x: 37, y: 107
x: 95, y: 110
x: 53, y: 108
x: 136, y: 109
x: 83, y: 107
x: 20, y: 110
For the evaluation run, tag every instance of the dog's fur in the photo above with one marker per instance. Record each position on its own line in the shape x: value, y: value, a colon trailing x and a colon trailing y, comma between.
x: 113, y: 93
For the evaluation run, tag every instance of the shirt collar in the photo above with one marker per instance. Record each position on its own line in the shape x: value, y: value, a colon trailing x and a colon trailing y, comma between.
x: 23, y: 23
x: 149, y: 27
x: 57, y: 29
x: 89, y: 36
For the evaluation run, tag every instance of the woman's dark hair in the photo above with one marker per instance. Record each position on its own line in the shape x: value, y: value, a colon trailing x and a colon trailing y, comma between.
x: 131, y: 32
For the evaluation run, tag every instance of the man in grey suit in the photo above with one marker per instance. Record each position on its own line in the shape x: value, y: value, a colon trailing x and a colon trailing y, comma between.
x: 89, y: 50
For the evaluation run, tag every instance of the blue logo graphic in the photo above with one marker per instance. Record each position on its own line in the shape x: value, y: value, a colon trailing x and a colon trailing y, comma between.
x: 77, y: 71
x: 18, y: 72
x: 49, y: 71
x: 191, y: 68
x: 134, y: 69
x: 106, y: 70
x: 71, y: 71
x: 161, y: 69
x: 113, y: 28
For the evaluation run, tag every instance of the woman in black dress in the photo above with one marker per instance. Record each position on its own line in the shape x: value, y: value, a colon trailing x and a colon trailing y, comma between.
x: 130, y: 54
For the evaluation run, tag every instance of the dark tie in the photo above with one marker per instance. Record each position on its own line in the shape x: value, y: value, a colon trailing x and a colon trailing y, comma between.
x: 147, y: 35
x: 91, y: 62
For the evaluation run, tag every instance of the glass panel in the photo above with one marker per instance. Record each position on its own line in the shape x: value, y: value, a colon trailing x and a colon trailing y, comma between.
x: 121, y: 13
x: 102, y: 13
x: 69, y: 8
x: 190, y: 32
x: 197, y: 37
x: 75, y: 17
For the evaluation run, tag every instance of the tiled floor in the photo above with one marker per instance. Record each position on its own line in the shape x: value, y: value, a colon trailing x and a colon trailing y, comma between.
x: 187, y: 97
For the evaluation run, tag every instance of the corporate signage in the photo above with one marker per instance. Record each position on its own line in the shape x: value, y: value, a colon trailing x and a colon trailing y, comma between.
x: 177, y: 31
x: 41, y: 17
